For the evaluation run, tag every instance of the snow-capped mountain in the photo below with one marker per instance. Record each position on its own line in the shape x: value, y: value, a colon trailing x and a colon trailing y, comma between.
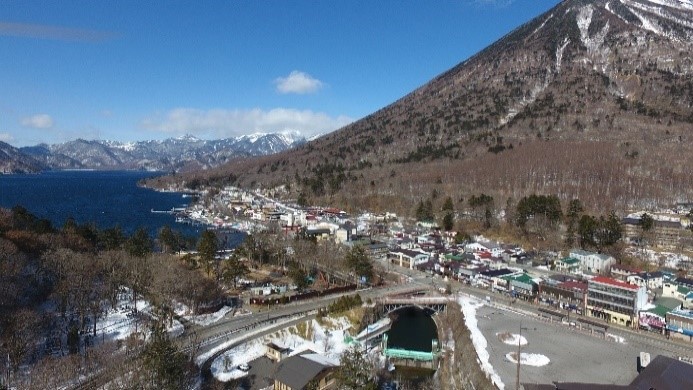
x: 172, y: 154
x: 592, y: 100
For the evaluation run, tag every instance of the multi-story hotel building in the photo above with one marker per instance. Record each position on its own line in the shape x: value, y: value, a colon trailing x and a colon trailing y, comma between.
x: 615, y: 301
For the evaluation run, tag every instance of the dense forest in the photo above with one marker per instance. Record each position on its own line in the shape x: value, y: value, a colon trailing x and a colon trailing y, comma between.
x: 552, y: 107
x: 57, y: 282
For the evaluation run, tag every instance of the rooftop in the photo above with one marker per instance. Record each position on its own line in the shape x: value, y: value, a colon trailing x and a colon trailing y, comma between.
x: 277, y: 347
x: 569, y: 260
x: 497, y: 273
x: 684, y: 282
x: 522, y: 278
x: 659, y: 310
x: 581, y: 252
x: 664, y: 373
x: 668, y: 302
x: 614, y: 282
x: 297, y: 371
x: 682, y: 313
x: 574, y: 285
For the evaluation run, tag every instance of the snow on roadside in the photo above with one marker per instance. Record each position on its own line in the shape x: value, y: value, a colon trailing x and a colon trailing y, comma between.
x: 203, y: 357
x: 324, y: 341
x: 208, y: 319
x: 469, y: 307
x: 528, y: 359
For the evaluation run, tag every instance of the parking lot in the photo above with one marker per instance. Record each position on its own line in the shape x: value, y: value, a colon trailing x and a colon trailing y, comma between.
x: 574, y: 356
x: 259, y: 375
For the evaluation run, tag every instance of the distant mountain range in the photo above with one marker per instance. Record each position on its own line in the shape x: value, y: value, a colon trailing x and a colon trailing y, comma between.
x: 592, y: 100
x: 174, y: 154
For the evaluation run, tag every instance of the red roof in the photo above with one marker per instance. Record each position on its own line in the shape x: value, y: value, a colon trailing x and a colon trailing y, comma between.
x: 614, y: 282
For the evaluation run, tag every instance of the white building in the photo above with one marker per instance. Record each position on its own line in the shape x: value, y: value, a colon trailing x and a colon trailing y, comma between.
x: 593, y: 262
x: 649, y: 280
x: 494, y: 249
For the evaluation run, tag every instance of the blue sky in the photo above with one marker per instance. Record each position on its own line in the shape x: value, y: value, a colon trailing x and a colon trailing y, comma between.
x: 134, y: 70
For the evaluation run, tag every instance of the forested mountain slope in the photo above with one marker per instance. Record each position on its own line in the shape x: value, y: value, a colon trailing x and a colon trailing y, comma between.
x: 593, y: 99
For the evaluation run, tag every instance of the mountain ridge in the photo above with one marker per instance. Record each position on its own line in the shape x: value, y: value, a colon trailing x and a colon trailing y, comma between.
x: 601, y: 90
x: 173, y: 154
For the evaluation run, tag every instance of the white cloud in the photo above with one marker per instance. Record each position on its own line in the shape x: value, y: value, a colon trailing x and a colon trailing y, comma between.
x: 38, y: 121
x: 224, y: 123
x: 298, y: 82
x: 6, y: 137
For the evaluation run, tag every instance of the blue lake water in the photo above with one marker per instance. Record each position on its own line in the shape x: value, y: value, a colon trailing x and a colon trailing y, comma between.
x: 105, y: 198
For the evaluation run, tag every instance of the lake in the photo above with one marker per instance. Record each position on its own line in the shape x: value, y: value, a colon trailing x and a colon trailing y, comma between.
x: 105, y: 198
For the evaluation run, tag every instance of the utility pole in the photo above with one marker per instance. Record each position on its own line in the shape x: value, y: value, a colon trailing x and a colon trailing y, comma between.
x: 519, y: 349
x: 519, y: 353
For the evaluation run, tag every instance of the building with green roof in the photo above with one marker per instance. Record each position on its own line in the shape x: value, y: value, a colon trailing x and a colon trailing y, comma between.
x: 522, y: 285
x: 568, y: 264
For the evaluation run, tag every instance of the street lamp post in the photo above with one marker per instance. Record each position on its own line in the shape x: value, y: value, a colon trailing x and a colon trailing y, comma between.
x: 519, y: 353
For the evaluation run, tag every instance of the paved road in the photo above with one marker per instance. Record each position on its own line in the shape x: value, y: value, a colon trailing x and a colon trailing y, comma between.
x: 207, y: 338
x: 200, y: 340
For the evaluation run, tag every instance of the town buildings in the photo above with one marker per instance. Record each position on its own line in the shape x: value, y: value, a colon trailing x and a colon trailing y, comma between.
x: 570, y: 295
x: 615, y: 301
x: 593, y: 262
x: 679, y: 324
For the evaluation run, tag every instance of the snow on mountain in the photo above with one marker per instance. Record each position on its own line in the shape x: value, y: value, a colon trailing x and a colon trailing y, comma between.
x: 180, y: 153
x: 679, y: 4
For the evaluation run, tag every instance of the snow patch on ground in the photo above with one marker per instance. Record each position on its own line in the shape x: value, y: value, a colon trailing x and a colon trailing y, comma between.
x: 512, y: 339
x: 469, y: 307
x: 123, y: 320
x: 208, y: 319
x: 616, y: 338
x: 203, y: 357
x: 647, y: 24
x: 327, y: 341
x: 593, y: 43
x: 660, y: 12
x: 225, y: 368
x: 584, y: 19
x: 542, y: 25
x: 528, y: 359
x: 526, y: 100
x: 679, y: 4
x: 559, y: 54
x: 608, y: 8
